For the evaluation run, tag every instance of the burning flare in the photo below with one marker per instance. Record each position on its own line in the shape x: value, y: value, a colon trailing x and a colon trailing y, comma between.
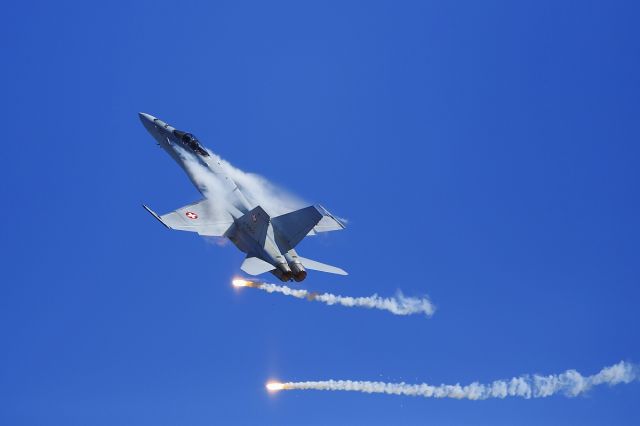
x: 239, y: 282
x: 274, y: 386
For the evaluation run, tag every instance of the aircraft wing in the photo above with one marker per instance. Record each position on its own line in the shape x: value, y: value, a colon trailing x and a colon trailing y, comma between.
x: 328, y: 222
x: 202, y: 217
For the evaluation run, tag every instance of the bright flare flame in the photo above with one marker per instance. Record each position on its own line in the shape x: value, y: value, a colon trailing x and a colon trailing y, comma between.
x: 275, y: 386
x: 239, y: 282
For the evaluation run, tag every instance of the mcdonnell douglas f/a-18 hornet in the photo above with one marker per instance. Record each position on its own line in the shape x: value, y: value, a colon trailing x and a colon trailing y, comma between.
x: 226, y: 211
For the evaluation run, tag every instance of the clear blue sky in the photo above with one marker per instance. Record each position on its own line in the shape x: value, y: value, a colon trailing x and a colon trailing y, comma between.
x: 485, y: 153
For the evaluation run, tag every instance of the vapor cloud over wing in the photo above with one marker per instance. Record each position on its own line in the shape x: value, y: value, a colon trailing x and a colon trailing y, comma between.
x: 257, y: 189
x: 260, y: 191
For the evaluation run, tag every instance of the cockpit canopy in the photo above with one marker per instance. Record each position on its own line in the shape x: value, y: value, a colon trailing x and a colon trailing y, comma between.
x: 191, y: 142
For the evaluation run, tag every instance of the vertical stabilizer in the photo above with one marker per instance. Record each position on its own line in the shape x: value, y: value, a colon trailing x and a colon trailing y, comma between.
x: 293, y: 227
x: 256, y: 224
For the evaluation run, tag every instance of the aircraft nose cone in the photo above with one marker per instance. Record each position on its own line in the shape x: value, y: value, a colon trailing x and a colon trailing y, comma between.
x: 145, y: 117
x: 148, y: 122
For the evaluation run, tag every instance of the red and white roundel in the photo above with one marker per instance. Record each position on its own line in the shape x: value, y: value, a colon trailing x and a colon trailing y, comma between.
x: 191, y: 215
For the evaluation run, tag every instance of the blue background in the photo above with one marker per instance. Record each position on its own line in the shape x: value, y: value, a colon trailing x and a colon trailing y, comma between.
x: 485, y: 153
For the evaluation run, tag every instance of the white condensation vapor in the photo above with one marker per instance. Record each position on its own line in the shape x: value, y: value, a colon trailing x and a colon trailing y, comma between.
x: 398, y: 305
x: 213, y: 187
x: 570, y: 383
x: 257, y: 189
x: 260, y: 192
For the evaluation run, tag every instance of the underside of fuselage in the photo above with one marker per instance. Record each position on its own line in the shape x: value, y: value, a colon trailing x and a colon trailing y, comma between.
x: 255, y: 234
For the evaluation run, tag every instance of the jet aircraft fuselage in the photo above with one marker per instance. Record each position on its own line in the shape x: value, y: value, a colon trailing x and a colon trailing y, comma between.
x: 227, y: 212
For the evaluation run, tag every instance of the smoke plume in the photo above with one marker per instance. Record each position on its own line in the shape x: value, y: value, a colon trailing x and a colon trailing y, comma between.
x: 398, y: 305
x: 570, y: 383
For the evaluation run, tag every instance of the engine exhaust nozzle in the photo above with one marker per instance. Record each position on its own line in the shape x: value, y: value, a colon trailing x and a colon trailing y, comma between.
x: 283, y: 272
x: 299, y: 273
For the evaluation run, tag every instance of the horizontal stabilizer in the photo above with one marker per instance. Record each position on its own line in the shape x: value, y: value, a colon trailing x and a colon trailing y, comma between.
x: 317, y: 266
x: 256, y: 266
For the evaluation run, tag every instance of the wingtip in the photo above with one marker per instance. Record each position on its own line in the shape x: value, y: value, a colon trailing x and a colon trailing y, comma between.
x: 154, y: 214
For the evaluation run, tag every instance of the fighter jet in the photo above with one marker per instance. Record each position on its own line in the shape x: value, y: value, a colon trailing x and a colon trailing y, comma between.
x: 269, y: 242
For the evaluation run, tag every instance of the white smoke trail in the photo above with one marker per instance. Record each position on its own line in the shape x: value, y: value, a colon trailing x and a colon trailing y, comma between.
x: 570, y: 383
x: 398, y: 305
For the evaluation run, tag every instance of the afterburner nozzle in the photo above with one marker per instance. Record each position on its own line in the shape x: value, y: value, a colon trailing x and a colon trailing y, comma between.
x: 299, y: 273
x: 300, y: 276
